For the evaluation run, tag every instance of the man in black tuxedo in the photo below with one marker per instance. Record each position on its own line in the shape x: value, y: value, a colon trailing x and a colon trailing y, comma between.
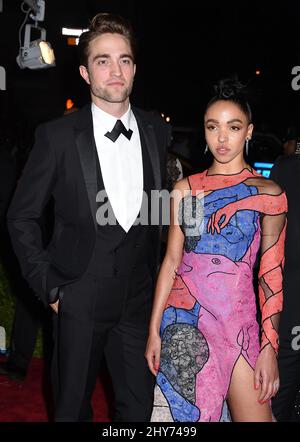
x: 29, y: 312
x: 98, y: 277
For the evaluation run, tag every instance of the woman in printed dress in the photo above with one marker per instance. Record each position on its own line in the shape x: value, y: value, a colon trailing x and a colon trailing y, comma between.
x: 205, y: 346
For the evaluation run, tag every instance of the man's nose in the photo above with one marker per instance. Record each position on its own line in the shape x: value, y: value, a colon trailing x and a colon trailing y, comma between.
x: 116, y: 68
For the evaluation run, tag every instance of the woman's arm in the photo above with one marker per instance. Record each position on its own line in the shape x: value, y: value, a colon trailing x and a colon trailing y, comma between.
x: 270, y: 275
x: 166, y: 277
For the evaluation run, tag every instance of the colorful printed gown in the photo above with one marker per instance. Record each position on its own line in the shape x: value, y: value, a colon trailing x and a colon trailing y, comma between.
x: 210, y: 316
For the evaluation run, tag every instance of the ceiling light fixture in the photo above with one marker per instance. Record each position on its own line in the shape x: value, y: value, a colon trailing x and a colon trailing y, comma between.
x: 38, y: 53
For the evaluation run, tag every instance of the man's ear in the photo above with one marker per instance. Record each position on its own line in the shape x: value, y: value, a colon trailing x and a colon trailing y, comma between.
x: 84, y: 73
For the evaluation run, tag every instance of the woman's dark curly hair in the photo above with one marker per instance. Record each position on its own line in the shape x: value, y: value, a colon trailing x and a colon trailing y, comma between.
x: 231, y: 89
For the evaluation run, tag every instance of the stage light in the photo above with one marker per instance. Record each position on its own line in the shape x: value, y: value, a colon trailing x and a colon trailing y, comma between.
x: 36, y: 54
x: 38, y: 9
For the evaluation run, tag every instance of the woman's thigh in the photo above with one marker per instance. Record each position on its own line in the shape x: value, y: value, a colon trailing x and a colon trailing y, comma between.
x: 243, y: 398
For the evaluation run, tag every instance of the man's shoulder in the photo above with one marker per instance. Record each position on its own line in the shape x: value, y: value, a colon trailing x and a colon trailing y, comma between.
x: 149, y: 116
x: 287, y: 160
x: 286, y: 164
x: 153, y: 118
x: 66, y: 121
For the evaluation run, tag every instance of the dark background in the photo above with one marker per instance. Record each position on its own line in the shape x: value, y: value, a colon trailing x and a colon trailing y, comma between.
x: 183, y: 50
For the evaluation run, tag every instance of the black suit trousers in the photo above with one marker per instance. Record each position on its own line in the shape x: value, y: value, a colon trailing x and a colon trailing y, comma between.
x: 283, y: 403
x: 103, y: 317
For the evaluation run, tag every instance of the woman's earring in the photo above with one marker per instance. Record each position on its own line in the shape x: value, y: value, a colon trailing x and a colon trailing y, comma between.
x: 206, y: 149
x: 247, y: 146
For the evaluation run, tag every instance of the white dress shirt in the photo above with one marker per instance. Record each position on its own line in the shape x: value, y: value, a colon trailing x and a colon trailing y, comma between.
x: 121, y: 165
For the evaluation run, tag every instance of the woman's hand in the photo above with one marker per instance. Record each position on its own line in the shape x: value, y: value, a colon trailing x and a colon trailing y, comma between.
x: 266, y: 374
x: 152, y: 353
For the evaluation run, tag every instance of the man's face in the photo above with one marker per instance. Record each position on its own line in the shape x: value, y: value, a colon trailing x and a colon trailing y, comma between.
x: 110, y: 71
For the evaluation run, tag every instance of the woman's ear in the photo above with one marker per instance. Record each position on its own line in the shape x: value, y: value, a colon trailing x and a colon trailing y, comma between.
x: 250, y: 131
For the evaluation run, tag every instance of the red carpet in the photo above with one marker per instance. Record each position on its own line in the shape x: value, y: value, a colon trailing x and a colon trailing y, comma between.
x: 29, y: 400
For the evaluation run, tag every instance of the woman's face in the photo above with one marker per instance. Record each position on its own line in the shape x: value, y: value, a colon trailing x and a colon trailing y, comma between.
x: 226, y: 130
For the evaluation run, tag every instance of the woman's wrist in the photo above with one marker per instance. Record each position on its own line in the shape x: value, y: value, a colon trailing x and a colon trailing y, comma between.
x: 154, y: 331
x: 268, y: 349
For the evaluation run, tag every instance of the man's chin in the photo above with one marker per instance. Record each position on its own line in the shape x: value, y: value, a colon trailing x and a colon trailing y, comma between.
x: 117, y: 98
x: 112, y: 96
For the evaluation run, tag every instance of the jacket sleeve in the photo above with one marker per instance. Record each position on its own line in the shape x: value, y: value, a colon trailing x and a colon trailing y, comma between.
x: 273, y: 229
x: 32, y: 194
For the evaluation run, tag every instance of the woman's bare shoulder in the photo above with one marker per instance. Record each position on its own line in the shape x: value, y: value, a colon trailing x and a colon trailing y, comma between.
x: 265, y: 185
x: 182, y: 185
x: 272, y: 188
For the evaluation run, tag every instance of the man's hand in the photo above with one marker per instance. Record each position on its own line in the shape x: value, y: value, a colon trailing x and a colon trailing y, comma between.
x: 54, y: 306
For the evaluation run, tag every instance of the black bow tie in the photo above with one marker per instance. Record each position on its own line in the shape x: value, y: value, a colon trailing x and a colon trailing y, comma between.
x: 118, y: 129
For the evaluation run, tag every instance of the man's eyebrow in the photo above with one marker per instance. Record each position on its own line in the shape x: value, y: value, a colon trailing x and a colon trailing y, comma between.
x: 125, y: 55
x: 100, y: 56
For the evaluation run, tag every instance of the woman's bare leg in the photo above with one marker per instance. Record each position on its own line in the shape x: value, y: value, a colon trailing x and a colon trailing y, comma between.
x: 243, y: 398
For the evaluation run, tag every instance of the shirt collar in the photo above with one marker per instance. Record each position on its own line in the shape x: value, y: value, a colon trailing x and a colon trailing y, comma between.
x: 107, y: 121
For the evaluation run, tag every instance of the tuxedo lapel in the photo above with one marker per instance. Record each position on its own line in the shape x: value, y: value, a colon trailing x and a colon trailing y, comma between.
x: 147, y: 132
x: 86, y: 148
x: 87, y: 152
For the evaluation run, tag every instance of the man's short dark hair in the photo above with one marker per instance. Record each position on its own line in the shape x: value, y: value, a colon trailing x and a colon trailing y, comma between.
x: 104, y: 23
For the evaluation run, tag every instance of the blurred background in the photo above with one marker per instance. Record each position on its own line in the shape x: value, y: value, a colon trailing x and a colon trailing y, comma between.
x: 182, y: 50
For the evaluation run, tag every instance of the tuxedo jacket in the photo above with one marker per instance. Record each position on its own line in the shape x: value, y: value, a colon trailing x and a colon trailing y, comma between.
x: 286, y: 172
x: 62, y: 165
x: 8, y: 179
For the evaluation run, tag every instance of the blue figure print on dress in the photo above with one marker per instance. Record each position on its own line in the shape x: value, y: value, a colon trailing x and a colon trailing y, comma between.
x: 236, y: 237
